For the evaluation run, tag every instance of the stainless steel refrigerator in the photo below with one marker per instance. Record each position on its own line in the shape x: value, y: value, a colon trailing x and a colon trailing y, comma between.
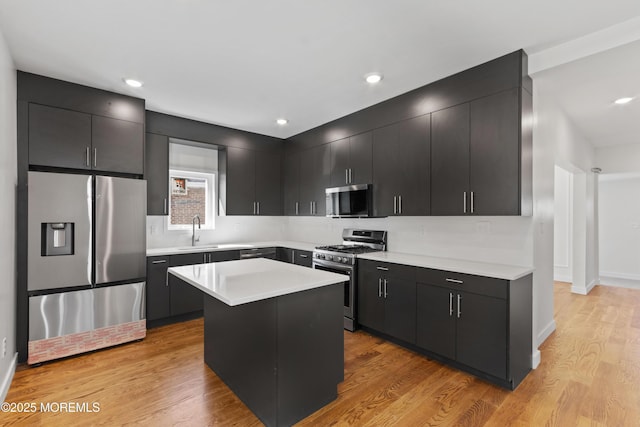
x: 86, y: 263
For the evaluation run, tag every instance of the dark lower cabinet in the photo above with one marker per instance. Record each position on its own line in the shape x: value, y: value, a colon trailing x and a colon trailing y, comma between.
x: 479, y: 323
x: 304, y: 258
x: 387, y: 299
x: 158, y: 295
x: 284, y: 255
x: 184, y: 297
x: 168, y: 296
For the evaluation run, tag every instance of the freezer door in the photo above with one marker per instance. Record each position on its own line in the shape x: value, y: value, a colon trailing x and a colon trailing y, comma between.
x: 59, y: 231
x: 120, y: 239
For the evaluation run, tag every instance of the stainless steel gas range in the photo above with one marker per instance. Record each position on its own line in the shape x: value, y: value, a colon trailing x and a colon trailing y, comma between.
x: 343, y: 259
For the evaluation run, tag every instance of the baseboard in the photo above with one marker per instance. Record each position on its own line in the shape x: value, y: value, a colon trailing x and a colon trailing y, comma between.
x: 535, y: 359
x: 621, y: 283
x: 584, y: 291
x: 616, y: 275
x: 545, y: 333
x: 562, y: 278
x: 8, y: 377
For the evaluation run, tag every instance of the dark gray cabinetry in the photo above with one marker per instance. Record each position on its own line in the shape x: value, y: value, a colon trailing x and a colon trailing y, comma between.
x: 387, y: 299
x: 291, y: 183
x: 351, y: 160
x: 184, y: 297
x: 59, y: 138
x: 401, y: 161
x: 253, y: 182
x: 69, y: 139
x: 476, y: 157
x: 118, y: 145
x: 158, y: 295
x: 481, y: 323
x: 295, y: 256
x: 314, y: 179
x: 304, y: 258
x: 156, y: 172
x: 450, y: 161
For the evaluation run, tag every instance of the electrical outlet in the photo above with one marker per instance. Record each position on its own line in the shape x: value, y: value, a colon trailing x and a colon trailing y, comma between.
x: 4, y: 347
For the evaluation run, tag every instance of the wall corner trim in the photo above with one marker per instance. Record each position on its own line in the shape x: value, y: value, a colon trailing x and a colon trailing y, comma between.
x: 7, y: 378
x: 584, y: 290
x: 535, y: 359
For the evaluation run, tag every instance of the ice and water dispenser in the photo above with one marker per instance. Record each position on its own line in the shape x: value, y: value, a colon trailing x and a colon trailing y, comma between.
x: 57, y: 238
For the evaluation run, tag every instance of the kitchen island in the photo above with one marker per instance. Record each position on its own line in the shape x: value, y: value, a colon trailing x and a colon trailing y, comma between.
x: 273, y: 333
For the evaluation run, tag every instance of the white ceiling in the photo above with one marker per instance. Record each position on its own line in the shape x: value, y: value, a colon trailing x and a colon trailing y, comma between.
x: 244, y: 63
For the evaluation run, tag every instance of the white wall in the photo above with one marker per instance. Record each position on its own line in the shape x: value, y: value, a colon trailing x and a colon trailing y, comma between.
x: 557, y: 142
x: 8, y: 182
x: 563, y: 226
x: 619, y: 210
x: 619, y: 159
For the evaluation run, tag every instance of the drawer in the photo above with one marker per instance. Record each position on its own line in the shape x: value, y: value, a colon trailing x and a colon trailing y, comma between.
x: 304, y: 258
x: 388, y: 269
x: 480, y: 285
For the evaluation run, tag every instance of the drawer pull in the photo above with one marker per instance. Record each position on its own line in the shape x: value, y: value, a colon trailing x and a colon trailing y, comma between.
x: 460, y: 282
x: 303, y: 256
x: 383, y: 268
x: 162, y: 261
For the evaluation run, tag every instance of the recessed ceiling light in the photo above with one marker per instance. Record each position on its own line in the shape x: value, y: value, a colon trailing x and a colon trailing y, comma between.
x: 621, y: 101
x: 282, y: 122
x: 133, y: 83
x: 373, y: 78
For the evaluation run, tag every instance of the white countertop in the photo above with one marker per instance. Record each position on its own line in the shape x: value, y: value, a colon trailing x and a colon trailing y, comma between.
x: 497, y: 271
x: 301, y: 246
x: 249, y: 280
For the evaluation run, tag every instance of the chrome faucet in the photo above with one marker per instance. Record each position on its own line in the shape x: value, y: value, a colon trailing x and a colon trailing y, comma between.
x: 195, y: 238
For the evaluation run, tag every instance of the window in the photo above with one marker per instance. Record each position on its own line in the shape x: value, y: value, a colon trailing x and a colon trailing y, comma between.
x: 193, y: 168
x: 191, y: 193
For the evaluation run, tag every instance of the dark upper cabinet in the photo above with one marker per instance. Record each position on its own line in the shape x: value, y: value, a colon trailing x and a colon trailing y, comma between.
x: 401, y: 162
x: 241, y: 181
x: 253, y: 182
x: 351, y: 160
x: 476, y: 157
x: 495, y: 154
x: 268, y: 183
x: 156, y: 172
x: 450, y: 161
x: 69, y: 139
x: 291, y: 183
x: 118, y: 145
x: 315, y: 172
x: 158, y: 295
x: 59, y: 138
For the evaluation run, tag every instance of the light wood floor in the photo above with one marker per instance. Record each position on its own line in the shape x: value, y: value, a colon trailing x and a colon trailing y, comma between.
x: 589, y: 376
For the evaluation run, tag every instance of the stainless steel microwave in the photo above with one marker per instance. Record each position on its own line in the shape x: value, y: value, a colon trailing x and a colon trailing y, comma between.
x: 351, y: 201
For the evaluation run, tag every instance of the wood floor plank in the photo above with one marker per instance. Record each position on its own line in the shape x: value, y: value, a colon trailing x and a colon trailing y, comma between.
x: 589, y: 375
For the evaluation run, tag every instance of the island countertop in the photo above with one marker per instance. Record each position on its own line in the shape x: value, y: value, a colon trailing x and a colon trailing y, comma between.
x: 249, y: 280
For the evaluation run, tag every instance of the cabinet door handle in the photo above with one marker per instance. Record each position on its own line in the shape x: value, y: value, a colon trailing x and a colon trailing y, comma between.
x: 460, y: 282
x: 464, y: 202
x: 450, y: 304
x: 382, y: 268
x: 166, y: 279
x: 385, y: 288
x: 350, y: 179
x: 204, y: 258
x: 346, y: 176
x: 400, y: 204
x: 311, y: 207
x: 297, y: 208
x: 395, y: 205
x: 160, y: 261
x: 459, y: 305
x: 165, y: 205
x: 258, y: 203
x: 379, y: 287
x: 95, y: 157
x: 87, y: 159
x: 472, y: 202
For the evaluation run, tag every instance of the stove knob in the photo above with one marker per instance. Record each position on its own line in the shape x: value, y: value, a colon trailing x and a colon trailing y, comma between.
x: 344, y: 260
x: 329, y: 257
